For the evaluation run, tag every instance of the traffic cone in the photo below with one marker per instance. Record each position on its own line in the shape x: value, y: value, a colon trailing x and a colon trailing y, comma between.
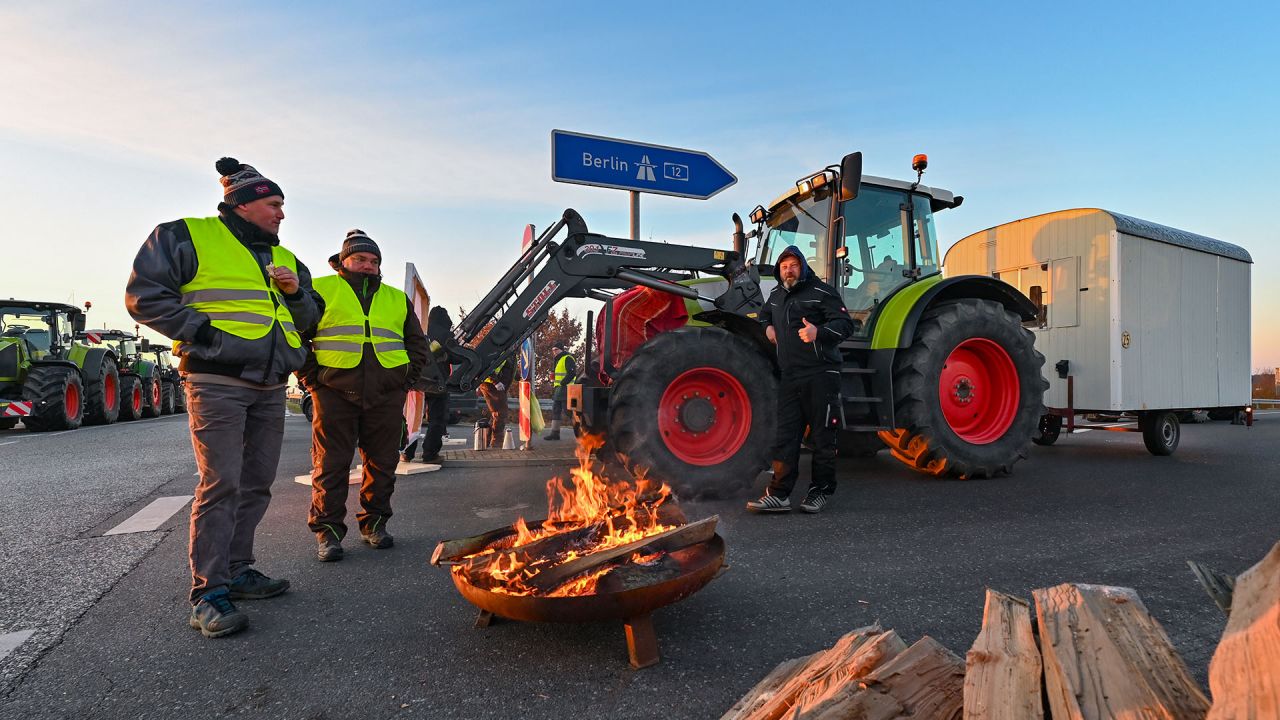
x: 509, y: 441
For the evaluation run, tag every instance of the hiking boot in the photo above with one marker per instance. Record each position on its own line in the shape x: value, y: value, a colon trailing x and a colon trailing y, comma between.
x: 379, y: 538
x: 814, y: 501
x: 552, y: 436
x: 215, y: 615
x: 253, y: 585
x: 769, y: 504
x: 328, y: 547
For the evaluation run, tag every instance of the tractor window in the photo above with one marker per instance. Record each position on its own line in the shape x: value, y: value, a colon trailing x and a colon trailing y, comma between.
x: 30, y: 325
x: 876, y: 256
x: 802, y: 223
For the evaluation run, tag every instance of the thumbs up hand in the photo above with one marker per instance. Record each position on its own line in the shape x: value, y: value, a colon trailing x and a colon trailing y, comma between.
x: 809, y: 332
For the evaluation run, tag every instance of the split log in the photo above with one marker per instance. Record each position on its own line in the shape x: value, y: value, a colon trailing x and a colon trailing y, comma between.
x: 450, y: 552
x: 1106, y: 657
x: 550, y: 578
x: 925, y: 681
x: 1244, y: 675
x: 850, y: 659
x: 543, y: 550
x: 846, y: 676
x: 1002, y: 677
x: 1219, y: 585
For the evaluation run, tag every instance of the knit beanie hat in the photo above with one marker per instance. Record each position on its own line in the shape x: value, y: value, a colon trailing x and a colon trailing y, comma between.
x: 358, y: 241
x: 243, y: 184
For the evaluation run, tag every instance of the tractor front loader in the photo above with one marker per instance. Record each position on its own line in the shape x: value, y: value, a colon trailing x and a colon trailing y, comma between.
x: 681, y: 380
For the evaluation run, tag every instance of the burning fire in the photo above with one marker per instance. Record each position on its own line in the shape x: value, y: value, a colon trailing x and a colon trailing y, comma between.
x: 591, y: 513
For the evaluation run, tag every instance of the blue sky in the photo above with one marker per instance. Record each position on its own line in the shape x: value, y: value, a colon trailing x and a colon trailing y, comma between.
x: 427, y: 124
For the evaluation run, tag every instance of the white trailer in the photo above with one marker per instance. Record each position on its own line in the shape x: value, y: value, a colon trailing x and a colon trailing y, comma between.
x: 1137, y: 319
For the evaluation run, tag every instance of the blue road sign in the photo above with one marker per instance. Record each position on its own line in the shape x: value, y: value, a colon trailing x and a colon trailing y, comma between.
x: 627, y: 165
x: 525, y: 359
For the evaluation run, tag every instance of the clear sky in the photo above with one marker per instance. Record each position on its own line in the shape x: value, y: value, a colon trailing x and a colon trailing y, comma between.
x: 428, y: 124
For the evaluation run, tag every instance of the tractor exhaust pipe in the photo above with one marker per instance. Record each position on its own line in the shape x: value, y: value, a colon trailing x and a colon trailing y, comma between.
x: 739, y: 238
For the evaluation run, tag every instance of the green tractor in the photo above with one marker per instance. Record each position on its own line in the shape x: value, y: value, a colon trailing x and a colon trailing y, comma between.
x: 172, y: 396
x: 47, y: 380
x: 140, y: 382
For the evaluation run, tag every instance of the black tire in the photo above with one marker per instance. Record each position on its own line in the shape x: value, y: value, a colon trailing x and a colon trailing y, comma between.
x: 1048, y: 431
x: 152, y: 397
x: 179, y: 398
x: 8, y: 423
x: 308, y: 406
x: 131, y: 402
x: 924, y: 439
x: 102, y: 395
x: 634, y: 425
x: 1221, y: 415
x: 858, y: 444
x: 167, y: 393
x: 58, y: 399
x: 1161, y: 431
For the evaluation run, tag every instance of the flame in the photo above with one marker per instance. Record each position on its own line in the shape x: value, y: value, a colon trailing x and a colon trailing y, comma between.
x: 606, y: 512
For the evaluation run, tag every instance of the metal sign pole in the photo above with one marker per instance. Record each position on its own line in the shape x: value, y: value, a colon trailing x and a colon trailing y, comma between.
x: 635, y: 214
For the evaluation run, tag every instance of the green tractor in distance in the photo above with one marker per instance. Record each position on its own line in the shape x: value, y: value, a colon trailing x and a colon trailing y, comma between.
x: 140, y: 388
x: 47, y: 380
x: 172, y: 396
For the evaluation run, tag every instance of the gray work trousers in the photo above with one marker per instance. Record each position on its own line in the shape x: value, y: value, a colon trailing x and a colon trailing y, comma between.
x: 236, y: 433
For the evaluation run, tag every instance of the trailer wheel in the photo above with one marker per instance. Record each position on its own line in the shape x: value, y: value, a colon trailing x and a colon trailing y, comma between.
x: 968, y: 393
x: 131, y: 402
x: 1050, y: 428
x: 58, y: 397
x: 694, y: 407
x: 102, y: 395
x: 1160, y: 431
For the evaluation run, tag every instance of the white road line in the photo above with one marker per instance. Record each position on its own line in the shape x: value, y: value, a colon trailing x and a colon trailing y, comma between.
x: 11, y: 641
x: 11, y: 442
x: 152, y: 516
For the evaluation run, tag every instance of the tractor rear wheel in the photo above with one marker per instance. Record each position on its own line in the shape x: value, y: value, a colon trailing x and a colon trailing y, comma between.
x: 694, y: 407
x: 167, y: 392
x: 968, y: 393
x: 152, y: 396
x: 102, y: 395
x: 58, y: 399
x: 131, y: 402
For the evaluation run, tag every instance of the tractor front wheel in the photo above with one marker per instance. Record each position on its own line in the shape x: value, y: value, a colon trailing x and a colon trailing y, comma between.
x: 102, y: 395
x: 58, y: 399
x: 694, y: 408
x: 968, y: 393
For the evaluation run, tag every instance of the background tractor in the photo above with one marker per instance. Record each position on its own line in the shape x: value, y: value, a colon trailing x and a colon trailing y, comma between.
x: 140, y: 386
x: 47, y: 380
x: 681, y: 380
x: 173, y: 397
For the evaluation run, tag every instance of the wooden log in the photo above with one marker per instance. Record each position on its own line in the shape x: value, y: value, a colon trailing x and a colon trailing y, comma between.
x: 542, y: 551
x: 1106, y: 657
x: 768, y: 688
x: 450, y: 552
x: 849, y: 659
x: 1002, y: 669
x: 550, y: 578
x: 1244, y: 675
x: 1219, y: 585
x: 846, y: 675
x: 925, y: 682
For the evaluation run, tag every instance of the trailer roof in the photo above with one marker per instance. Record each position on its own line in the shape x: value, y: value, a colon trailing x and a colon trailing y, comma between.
x: 1130, y: 225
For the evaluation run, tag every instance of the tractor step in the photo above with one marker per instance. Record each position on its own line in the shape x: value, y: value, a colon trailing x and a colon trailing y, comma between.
x: 866, y: 428
x: 849, y: 370
x: 861, y: 399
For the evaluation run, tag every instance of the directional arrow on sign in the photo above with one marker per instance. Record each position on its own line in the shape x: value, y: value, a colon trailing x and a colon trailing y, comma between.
x: 642, y: 167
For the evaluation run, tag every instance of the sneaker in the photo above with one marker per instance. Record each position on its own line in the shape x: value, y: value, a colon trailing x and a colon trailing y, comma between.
x: 253, y: 585
x: 769, y: 504
x: 379, y: 538
x: 215, y: 615
x: 328, y: 547
x: 814, y: 502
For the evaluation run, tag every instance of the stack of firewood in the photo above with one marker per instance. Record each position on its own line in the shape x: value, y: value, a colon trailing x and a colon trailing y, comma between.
x: 1098, y: 653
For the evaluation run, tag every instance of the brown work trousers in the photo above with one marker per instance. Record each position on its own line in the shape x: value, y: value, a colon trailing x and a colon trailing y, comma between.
x: 496, y: 400
x: 340, y: 426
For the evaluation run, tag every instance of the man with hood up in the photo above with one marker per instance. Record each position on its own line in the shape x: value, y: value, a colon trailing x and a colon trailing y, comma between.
x: 807, y: 320
x: 440, y: 337
x: 367, y: 352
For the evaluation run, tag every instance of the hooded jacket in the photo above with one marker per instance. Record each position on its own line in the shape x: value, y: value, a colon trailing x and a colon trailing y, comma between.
x: 813, y: 300
x: 153, y: 296
x: 369, y: 384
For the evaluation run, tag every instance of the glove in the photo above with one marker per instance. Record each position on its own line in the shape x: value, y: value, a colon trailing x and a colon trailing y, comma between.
x: 499, y: 387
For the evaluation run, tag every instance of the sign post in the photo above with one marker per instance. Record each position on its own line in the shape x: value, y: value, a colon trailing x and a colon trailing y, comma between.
x: 636, y: 167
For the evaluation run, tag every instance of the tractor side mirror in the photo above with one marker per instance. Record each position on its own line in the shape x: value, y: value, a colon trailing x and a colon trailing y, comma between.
x: 146, y: 345
x: 850, y: 175
x: 1042, y: 311
x: 77, y: 322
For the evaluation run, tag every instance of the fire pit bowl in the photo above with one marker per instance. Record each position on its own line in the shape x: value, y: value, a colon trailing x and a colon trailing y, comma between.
x: 698, y: 564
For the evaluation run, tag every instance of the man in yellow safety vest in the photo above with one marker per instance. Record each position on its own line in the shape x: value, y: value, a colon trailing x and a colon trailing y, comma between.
x: 564, y: 373
x: 235, y: 302
x: 367, y: 351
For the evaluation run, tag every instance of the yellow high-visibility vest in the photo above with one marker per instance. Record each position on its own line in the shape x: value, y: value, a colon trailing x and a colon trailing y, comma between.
x: 231, y: 287
x: 562, y: 369
x: 345, y: 328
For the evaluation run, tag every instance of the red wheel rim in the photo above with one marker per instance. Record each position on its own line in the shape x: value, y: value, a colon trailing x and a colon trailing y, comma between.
x: 155, y: 394
x: 704, y: 416
x: 979, y: 391
x: 137, y: 399
x: 109, y: 395
x: 71, y: 401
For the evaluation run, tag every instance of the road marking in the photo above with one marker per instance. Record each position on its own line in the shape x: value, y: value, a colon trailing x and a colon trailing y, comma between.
x: 11, y: 641
x: 152, y: 516
x: 11, y: 442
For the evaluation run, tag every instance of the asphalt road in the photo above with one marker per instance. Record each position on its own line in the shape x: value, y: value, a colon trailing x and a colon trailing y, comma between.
x: 383, y: 634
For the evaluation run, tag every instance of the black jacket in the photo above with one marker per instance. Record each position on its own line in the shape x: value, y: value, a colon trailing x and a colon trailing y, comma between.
x: 819, y: 303
x: 167, y: 261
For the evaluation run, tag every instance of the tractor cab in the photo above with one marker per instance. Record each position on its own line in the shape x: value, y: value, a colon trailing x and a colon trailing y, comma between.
x: 851, y: 229
x: 38, y: 330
